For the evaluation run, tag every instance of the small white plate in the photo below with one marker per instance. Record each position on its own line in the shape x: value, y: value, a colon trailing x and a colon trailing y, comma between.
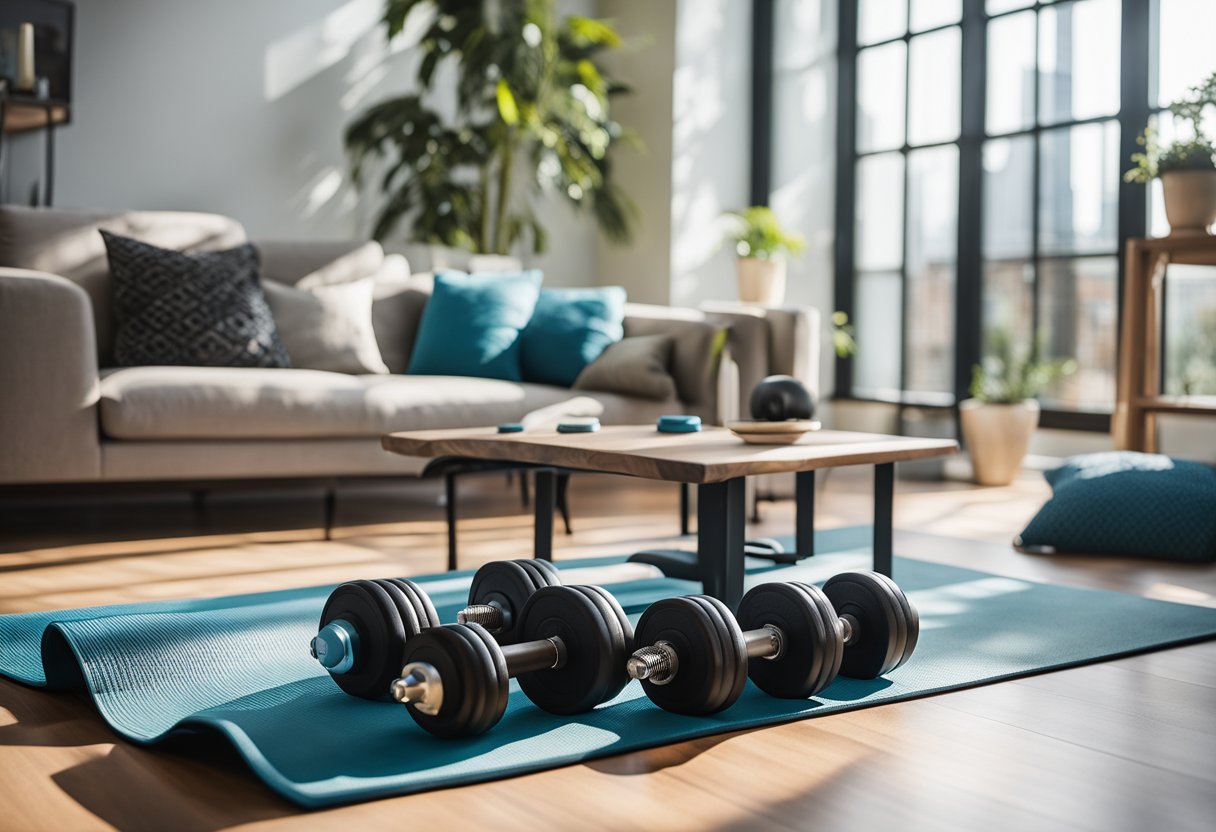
x: 773, y: 433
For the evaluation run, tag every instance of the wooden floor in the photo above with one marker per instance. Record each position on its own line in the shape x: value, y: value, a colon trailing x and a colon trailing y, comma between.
x: 1129, y: 744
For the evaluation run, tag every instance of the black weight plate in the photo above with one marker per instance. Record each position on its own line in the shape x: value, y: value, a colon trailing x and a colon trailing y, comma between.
x: 454, y: 658
x: 369, y: 608
x: 508, y: 583
x: 880, y: 640
x: 493, y: 684
x: 884, y: 586
x: 690, y: 630
x: 622, y: 638
x: 808, y: 647
x: 540, y: 576
x: 911, y: 618
x: 835, y: 630
x: 734, y: 670
x: 618, y: 614
x: 405, y: 608
x: 587, y: 633
x: 555, y: 576
x: 428, y: 616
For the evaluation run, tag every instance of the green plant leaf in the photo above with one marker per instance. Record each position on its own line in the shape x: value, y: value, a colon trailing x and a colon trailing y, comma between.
x: 506, y: 103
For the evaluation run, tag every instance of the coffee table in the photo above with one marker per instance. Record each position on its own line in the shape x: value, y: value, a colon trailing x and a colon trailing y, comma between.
x: 714, y: 460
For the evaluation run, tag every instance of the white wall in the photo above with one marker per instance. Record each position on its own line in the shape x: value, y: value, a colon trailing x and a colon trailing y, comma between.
x: 711, y: 144
x: 238, y: 107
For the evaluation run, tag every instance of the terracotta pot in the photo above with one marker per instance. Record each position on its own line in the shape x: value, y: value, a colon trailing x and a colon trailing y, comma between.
x: 761, y: 281
x: 1190, y: 201
x: 997, y: 436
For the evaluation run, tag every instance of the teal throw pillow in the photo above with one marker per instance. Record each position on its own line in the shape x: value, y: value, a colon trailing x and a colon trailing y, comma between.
x: 569, y: 329
x: 471, y: 325
x: 1124, y: 503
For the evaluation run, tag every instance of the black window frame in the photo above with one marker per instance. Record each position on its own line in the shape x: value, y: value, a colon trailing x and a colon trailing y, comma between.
x: 1136, y: 45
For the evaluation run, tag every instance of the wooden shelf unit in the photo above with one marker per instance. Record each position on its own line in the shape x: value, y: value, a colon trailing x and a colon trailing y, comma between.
x: 24, y: 113
x: 1139, y: 399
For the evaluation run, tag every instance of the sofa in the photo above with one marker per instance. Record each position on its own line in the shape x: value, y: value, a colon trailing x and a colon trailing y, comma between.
x: 68, y: 416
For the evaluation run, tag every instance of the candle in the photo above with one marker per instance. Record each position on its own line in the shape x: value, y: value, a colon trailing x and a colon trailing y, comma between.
x: 25, y: 57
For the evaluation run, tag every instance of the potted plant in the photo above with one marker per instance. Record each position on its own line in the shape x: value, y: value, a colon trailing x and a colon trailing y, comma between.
x: 1003, y: 411
x: 1186, y: 168
x: 532, y: 116
x: 761, y: 245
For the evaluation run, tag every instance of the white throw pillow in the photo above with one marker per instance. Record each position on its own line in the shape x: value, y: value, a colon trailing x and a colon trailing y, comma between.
x: 327, y: 327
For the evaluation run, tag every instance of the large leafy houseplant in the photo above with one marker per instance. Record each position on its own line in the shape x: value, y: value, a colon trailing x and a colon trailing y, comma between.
x: 532, y: 116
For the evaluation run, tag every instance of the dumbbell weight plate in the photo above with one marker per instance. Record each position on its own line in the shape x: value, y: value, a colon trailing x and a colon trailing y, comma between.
x: 543, y: 572
x: 911, y: 618
x: 812, y: 638
x: 708, y: 656
x: 734, y: 676
x: 474, y: 680
x: 883, y: 632
x: 428, y: 616
x: 622, y: 631
x: 510, y: 584
x: 594, y: 643
x: 376, y: 617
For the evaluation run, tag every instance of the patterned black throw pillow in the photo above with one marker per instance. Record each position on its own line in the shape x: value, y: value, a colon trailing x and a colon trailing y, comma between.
x: 197, y: 309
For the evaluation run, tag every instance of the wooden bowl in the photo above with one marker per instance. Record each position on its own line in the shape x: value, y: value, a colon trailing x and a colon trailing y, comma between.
x: 772, y: 433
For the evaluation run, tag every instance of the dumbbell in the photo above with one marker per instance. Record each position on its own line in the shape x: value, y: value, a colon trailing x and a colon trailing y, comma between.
x: 574, y: 641
x: 791, y: 639
x: 365, y: 624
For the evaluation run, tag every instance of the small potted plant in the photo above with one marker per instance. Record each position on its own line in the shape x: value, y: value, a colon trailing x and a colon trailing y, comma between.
x: 1003, y: 411
x: 1186, y: 168
x: 762, y: 246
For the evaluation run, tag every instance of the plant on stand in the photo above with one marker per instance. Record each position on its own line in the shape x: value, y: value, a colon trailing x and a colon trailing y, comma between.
x: 1186, y: 167
x: 761, y: 246
x: 532, y: 117
x: 1003, y: 411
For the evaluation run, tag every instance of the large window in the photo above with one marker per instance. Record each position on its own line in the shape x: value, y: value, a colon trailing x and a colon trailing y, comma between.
x: 980, y: 172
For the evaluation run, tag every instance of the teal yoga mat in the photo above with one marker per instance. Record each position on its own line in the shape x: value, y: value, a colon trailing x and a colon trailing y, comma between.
x: 240, y: 666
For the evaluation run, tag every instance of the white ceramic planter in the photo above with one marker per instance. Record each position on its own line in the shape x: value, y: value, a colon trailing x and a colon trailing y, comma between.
x: 1190, y: 201
x: 761, y: 281
x: 997, y: 436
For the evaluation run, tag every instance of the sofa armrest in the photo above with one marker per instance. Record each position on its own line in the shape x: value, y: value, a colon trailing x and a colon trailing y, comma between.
x: 771, y: 341
x: 48, y: 380
x: 308, y: 264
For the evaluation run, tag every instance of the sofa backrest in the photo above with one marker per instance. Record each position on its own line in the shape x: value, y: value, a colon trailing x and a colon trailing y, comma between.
x: 66, y: 243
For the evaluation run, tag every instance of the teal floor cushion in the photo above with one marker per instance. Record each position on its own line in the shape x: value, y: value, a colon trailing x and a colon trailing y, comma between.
x: 1124, y: 503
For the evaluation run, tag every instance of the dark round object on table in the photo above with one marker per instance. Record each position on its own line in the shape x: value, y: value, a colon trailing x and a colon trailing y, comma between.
x: 813, y: 641
x: 385, y: 614
x: 712, y: 656
x: 780, y: 398
x: 886, y: 622
x: 509, y: 584
x: 597, y: 638
x: 474, y: 673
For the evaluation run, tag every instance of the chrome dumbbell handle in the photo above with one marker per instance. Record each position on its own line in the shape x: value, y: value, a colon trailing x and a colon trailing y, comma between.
x: 422, y: 685
x: 660, y: 662
x: 493, y: 616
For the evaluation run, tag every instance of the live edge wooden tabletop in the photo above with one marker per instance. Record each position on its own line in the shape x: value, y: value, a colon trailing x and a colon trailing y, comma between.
x: 711, y: 455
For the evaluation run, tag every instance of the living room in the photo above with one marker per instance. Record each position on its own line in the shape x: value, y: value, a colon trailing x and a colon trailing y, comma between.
x: 827, y: 386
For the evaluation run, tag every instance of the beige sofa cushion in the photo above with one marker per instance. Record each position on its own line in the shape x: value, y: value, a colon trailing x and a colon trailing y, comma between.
x: 327, y: 327
x: 66, y: 243
x: 220, y: 403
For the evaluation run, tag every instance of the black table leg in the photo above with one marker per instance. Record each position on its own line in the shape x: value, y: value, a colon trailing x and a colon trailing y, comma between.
x: 804, y: 517
x: 545, y: 499
x: 449, y: 506
x: 721, y: 520
x: 884, y: 499
x: 684, y: 509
